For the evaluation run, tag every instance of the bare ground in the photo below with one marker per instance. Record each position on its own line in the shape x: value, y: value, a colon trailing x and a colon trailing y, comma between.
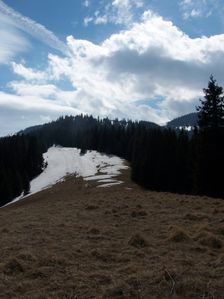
x: 79, y: 241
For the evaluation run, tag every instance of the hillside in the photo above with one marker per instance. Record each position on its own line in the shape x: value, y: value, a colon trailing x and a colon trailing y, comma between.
x: 188, y: 120
x: 161, y: 159
x: 61, y: 162
x: 76, y: 240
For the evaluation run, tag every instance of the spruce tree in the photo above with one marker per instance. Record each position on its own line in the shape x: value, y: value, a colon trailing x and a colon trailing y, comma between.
x: 211, y: 111
x: 209, y: 160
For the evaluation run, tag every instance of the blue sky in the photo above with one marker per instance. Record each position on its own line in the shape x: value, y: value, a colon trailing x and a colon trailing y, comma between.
x: 138, y: 59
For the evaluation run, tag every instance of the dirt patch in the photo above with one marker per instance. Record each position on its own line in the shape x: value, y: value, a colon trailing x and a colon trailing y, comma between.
x: 13, y: 267
x: 138, y: 241
x: 178, y: 235
x: 210, y: 240
x: 138, y: 214
x: 115, y: 293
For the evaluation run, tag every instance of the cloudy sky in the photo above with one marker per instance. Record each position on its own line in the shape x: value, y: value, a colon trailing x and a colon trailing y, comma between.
x: 136, y: 59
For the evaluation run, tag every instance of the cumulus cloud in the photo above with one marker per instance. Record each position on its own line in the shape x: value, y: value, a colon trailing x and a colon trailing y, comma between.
x: 151, y: 71
x: 33, y: 28
x: 153, y: 58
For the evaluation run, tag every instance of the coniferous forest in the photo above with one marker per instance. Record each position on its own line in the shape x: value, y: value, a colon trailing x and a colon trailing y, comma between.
x: 20, y: 161
x: 161, y: 158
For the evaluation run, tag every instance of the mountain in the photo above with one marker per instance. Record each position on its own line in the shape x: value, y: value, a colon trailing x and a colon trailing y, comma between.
x: 188, y: 120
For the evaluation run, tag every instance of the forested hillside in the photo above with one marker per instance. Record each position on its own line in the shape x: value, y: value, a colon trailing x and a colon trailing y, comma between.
x: 187, y: 120
x: 161, y: 159
x: 21, y: 155
x: 20, y: 161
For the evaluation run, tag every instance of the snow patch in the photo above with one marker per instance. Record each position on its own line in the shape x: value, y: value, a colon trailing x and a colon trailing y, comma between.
x: 107, y: 181
x: 98, y: 177
x: 66, y: 161
x: 110, y: 184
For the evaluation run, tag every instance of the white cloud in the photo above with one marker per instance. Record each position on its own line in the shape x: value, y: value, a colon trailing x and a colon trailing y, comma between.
x: 151, y: 71
x: 12, y: 41
x: 152, y: 59
x: 86, y: 3
x: 101, y: 20
x: 28, y: 73
x: 195, y: 13
x: 123, y: 11
x: 33, y: 103
x: 119, y: 12
x: 28, y: 89
x: 87, y: 20
x: 198, y: 8
x: 33, y: 28
x: 186, y: 2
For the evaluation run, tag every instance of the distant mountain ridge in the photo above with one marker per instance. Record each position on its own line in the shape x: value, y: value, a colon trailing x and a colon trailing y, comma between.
x: 188, y: 120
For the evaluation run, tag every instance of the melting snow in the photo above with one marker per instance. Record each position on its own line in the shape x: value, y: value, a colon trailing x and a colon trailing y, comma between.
x: 98, y: 177
x: 64, y: 161
x: 110, y: 184
x: 107, y: 181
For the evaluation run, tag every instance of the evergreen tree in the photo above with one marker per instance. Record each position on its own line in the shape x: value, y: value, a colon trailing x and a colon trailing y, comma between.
x: 209, y: 161
x: 211, y: 111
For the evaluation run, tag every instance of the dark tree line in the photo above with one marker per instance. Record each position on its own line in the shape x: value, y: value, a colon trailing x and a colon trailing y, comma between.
x: 20, y: 161
x: 85, y: 132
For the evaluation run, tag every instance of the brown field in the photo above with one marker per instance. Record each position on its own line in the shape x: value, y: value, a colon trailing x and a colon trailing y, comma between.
x: 78, y: 241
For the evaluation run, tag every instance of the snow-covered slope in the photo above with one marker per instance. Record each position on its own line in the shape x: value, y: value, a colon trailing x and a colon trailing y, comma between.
x: 64, y: 161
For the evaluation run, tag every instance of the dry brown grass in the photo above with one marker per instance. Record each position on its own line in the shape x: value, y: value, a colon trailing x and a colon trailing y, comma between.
x: 75, y: 241
x: 138, y: 241
x: 179, y: 235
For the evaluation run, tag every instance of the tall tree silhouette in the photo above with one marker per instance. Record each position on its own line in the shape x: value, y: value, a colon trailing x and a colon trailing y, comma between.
x: 210, y: 142
x: 211, y: 111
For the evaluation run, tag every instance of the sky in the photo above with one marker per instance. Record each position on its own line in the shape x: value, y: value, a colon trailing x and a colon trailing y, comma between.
x: 133, y: 59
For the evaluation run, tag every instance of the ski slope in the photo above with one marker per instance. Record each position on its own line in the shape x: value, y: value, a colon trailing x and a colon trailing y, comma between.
x: 66, y: 161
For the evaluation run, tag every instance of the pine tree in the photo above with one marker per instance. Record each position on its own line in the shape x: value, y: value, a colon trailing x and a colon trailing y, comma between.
x: 211, y: 111
x: 209, y: 160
